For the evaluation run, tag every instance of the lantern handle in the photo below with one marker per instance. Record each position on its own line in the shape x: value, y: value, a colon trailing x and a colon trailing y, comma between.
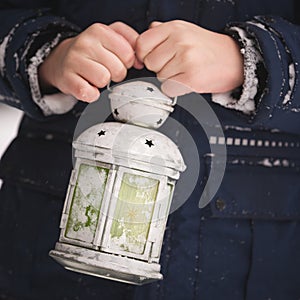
x: 174, y: 100
x: 108, y: 86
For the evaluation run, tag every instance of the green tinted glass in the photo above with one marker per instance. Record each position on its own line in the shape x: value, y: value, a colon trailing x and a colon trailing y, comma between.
x: 86, y: 203
x: 133, y: 213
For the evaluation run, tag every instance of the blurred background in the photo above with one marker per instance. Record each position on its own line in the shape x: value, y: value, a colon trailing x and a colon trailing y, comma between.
x: 9, y: 122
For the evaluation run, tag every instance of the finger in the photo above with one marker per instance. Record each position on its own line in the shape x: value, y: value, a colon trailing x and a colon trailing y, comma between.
x: 131, y: 36
x: 114, y: 42
x: 150, y: 39
x: 176, y: 86
x: 79, y: 88
x: 161, y: 56
x: 121, y: 47
x: 111, y: 62
x: 126, y: 31
x: 138, y: 64
x: 95, y: 73
x: 170, y: 69
x: 154, y: 24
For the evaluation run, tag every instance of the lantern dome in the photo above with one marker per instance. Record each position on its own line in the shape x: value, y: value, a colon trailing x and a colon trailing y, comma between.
x: 130, y: 146
x: 140, y: 103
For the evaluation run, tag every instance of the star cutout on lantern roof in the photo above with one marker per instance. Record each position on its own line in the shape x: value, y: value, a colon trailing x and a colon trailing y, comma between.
x: 149, y: 143
x: 102, y: 132
x: 159, y: 122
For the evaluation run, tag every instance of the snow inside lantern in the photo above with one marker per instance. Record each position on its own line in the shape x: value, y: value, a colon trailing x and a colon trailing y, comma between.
x: 120, y: 192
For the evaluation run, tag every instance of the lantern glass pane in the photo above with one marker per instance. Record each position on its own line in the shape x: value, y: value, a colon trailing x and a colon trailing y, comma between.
x: 86, y: 203
x: 133, y: 213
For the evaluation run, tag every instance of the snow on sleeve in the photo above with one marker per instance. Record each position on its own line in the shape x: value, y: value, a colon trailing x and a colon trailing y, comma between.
x: 3, y: 46
x: 292, y: 79
x: 54, y: 103
x: 246, y: 102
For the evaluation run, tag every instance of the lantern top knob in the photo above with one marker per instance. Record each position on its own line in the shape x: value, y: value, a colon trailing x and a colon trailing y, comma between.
x: 140, y: 103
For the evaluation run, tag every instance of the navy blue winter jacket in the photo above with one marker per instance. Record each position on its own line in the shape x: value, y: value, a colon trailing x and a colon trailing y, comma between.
x: 262, y: 172
x: 27, y: 26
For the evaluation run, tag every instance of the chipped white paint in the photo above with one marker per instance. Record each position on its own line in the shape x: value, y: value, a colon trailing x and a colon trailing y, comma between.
x: 114, y: 267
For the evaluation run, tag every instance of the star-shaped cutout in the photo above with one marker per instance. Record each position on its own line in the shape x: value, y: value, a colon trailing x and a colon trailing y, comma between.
x: 102, y: 132
x: 116, y: 112
x: 159, y: 122
x: 149, y: 143
x: 150, y: 89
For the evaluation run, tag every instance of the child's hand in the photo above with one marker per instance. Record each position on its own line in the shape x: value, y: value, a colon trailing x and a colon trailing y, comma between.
x: 80, y: 65
x: 202, y: 61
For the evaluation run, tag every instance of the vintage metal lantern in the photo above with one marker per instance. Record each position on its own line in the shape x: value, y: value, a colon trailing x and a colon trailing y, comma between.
x: 120, y: 190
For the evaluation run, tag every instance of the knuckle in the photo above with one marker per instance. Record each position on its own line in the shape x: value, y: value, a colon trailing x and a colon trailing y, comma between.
x: 97, y: 27
x: 119, y: 73
x: 117, y: 24
x: 70, y: 58
x: 77, y: 88
x: 187, y: 57
x: 64, y: 74
x: 149, y: 64
x: 128, y: 59
x: 103, y: 79
x: 177, y: 24
x: 81, y: 42
x: 139, y: 49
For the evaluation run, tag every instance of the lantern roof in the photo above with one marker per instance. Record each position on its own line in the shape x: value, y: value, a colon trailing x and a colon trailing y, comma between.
x: 132, y: 146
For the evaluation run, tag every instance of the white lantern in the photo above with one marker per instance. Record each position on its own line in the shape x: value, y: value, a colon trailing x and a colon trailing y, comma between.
x: 120, y: 193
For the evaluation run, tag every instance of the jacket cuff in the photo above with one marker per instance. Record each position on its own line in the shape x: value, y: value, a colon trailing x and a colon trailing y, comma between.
x: 243, y: 98
x: 53, y: 103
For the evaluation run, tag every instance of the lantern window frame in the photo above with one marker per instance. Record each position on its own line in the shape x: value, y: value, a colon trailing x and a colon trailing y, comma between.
x: 112, y: 187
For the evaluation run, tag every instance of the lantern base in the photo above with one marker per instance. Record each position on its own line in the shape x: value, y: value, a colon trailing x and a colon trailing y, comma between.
x: 105, y: 265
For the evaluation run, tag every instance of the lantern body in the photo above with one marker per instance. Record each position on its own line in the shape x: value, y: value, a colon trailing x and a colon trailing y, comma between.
x: 118, y: 201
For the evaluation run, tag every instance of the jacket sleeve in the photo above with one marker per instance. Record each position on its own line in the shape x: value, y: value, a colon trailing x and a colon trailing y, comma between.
x: 277, y: 92
x: 26, y: 38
